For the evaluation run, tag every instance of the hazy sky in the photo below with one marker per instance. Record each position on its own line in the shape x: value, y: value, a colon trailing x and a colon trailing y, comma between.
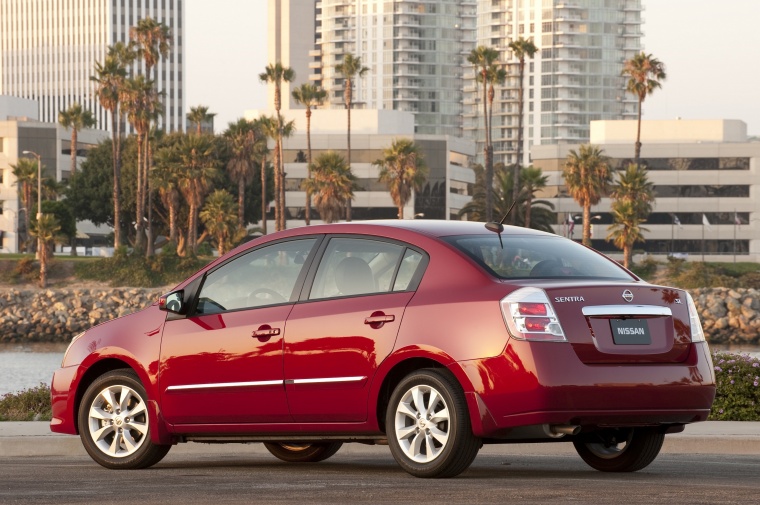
x: 710, y: 55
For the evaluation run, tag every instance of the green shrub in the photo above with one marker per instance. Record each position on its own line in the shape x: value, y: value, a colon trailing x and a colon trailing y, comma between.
x: 28, y: 405
x: 139, y: 271
x: 738, y: 380
x: 702, y: 275
x: 646, y: 269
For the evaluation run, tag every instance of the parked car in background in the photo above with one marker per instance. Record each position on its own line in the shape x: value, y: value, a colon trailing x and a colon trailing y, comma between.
x: 434, y: 337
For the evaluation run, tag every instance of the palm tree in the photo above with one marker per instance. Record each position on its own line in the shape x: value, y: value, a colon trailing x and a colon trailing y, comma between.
x: 588, y: 176
x: 276, y: 74
x: 309, y: 96
x: 521, y: 48
x: 403, y: 169
x: 644, y: 73
x: 532, y: 180
x: 109, y: 78
x: 241, y: 139
x: 350, y: 68
x: 541, y: 212
x: 271, y: 128
x: 332, y: 185
x: 152, y: 40
x: 626, y: 228
x: 198, y: 162
x: 76, y: 118
x: 25, y: 172
x: 633, y: 185
x: 46, y: 228
x: 484, y: 59
x: 166, y: 178
x: 199, y: 115
x: 219, y: 218
x: 264, y: 125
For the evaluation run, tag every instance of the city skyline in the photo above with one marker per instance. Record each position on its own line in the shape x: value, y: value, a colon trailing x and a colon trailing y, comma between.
x: 229, y: 84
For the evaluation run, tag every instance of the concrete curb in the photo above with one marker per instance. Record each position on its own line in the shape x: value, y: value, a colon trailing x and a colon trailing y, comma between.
x: 712, y: 437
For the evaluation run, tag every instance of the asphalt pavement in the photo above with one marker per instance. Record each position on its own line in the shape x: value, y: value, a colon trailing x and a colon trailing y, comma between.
x: 20, y: 439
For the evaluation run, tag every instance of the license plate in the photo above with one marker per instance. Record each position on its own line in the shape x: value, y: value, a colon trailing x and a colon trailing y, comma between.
x: 630, y: 332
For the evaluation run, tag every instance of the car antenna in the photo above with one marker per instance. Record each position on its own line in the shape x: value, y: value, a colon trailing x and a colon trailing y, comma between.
x: 499, y: 227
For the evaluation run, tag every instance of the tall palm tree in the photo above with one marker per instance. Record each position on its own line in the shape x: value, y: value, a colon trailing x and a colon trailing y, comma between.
x: 541, y: 213
x: 521, y: 48
x: 241, y: 140
x: 332, y: 185
x: 199, y: 169
x: 272, y: 129
x: 309, y: 96
x: 109, y: 78
x: 588, y: 176
x: 626, y: 228
x: 142, y: 105
x: 219, y: 218
x: 483, y: 58
x: 403, y: 169
x: 76, y: 119
x: 644, y: 73
x: 264, y: 125
x: 25, y: 172
x: 350, y: 68
x: 46, y: 228
x: 199, y: 115
x: 532, y: 180
x: 276, y: 74
x: 152, y: 40
x: 633, y: 185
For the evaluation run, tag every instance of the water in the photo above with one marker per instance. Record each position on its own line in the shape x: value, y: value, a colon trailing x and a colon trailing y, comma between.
x: 23, y: 366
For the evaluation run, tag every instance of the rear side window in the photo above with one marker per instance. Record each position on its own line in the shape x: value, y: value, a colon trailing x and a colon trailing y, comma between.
x: 352, y: 266
x: 543, y: 257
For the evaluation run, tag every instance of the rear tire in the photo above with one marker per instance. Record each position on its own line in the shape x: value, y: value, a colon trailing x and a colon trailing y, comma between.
x: 303, y: 453
x: 114, y: 424
x: 428, y: 425
x: 620, y: 450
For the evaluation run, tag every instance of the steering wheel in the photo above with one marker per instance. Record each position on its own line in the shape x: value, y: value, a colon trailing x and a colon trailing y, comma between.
x: 265, y: 296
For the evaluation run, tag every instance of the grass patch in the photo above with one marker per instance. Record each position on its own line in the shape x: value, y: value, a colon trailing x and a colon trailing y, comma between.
x: 28, y: 405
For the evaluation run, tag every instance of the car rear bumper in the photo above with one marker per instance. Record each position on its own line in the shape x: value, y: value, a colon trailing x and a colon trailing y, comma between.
x: 535, y: 383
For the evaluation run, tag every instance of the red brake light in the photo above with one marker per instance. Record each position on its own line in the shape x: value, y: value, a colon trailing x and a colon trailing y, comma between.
x: 531, y: 309
x: 536, y: 323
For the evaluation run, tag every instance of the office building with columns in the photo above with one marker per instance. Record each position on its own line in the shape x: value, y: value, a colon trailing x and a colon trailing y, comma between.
x: 48, y: 50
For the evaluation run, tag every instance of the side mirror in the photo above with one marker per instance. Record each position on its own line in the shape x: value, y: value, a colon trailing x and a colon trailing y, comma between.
x: 172, y: 302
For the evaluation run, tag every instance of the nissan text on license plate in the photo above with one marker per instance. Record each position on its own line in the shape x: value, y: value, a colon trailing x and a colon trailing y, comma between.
x: 630, y: 331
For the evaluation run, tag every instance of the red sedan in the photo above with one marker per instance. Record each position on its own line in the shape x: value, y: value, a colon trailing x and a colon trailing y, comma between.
x: 433, y: 337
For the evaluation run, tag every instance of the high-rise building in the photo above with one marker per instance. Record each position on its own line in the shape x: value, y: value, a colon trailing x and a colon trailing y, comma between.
x: 48, y: 50
x: 573, y: 79
x: 414, y: 50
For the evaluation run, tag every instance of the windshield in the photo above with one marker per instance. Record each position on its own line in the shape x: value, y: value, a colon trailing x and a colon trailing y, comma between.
x: 543, y: 256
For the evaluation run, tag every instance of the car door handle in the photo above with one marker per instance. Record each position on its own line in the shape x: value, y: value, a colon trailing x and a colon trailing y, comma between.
x: 265, y: 332
x: 378, y: 318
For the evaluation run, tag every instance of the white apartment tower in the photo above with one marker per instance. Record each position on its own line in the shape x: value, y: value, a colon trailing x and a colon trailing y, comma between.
x: 48, y: 50
x: 575, y: 77
x: 414, y: 49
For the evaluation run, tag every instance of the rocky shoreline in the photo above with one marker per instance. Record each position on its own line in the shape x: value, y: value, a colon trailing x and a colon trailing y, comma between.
x: 55, y: 315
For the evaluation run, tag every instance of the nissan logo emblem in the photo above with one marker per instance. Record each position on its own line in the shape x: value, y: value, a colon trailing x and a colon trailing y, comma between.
x: 627, y: 295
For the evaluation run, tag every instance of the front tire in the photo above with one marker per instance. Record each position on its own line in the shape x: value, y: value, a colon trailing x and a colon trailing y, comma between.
x: 620, y: 450
x: 303, y: 453
x: 428, y: 426
x: 114, y: 424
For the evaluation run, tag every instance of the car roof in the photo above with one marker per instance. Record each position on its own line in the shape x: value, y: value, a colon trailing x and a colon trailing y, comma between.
x: 430, y: 227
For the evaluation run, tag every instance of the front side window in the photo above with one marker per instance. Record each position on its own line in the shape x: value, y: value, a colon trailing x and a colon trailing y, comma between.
x: 353, y: 267
x: 265, y: 276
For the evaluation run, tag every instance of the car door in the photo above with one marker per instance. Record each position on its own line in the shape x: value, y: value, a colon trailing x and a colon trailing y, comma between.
x: 346, y: 325
x: 223, y: 364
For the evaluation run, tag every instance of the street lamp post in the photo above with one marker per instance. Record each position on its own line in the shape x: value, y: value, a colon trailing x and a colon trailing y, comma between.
x: 39, y: 194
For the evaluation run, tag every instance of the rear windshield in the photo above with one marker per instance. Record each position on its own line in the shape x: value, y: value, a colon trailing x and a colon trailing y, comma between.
x: 543, y: 257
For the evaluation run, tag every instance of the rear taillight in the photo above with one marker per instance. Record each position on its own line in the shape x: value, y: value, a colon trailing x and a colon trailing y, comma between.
x: 697, y: 335
x: 530, y: 316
